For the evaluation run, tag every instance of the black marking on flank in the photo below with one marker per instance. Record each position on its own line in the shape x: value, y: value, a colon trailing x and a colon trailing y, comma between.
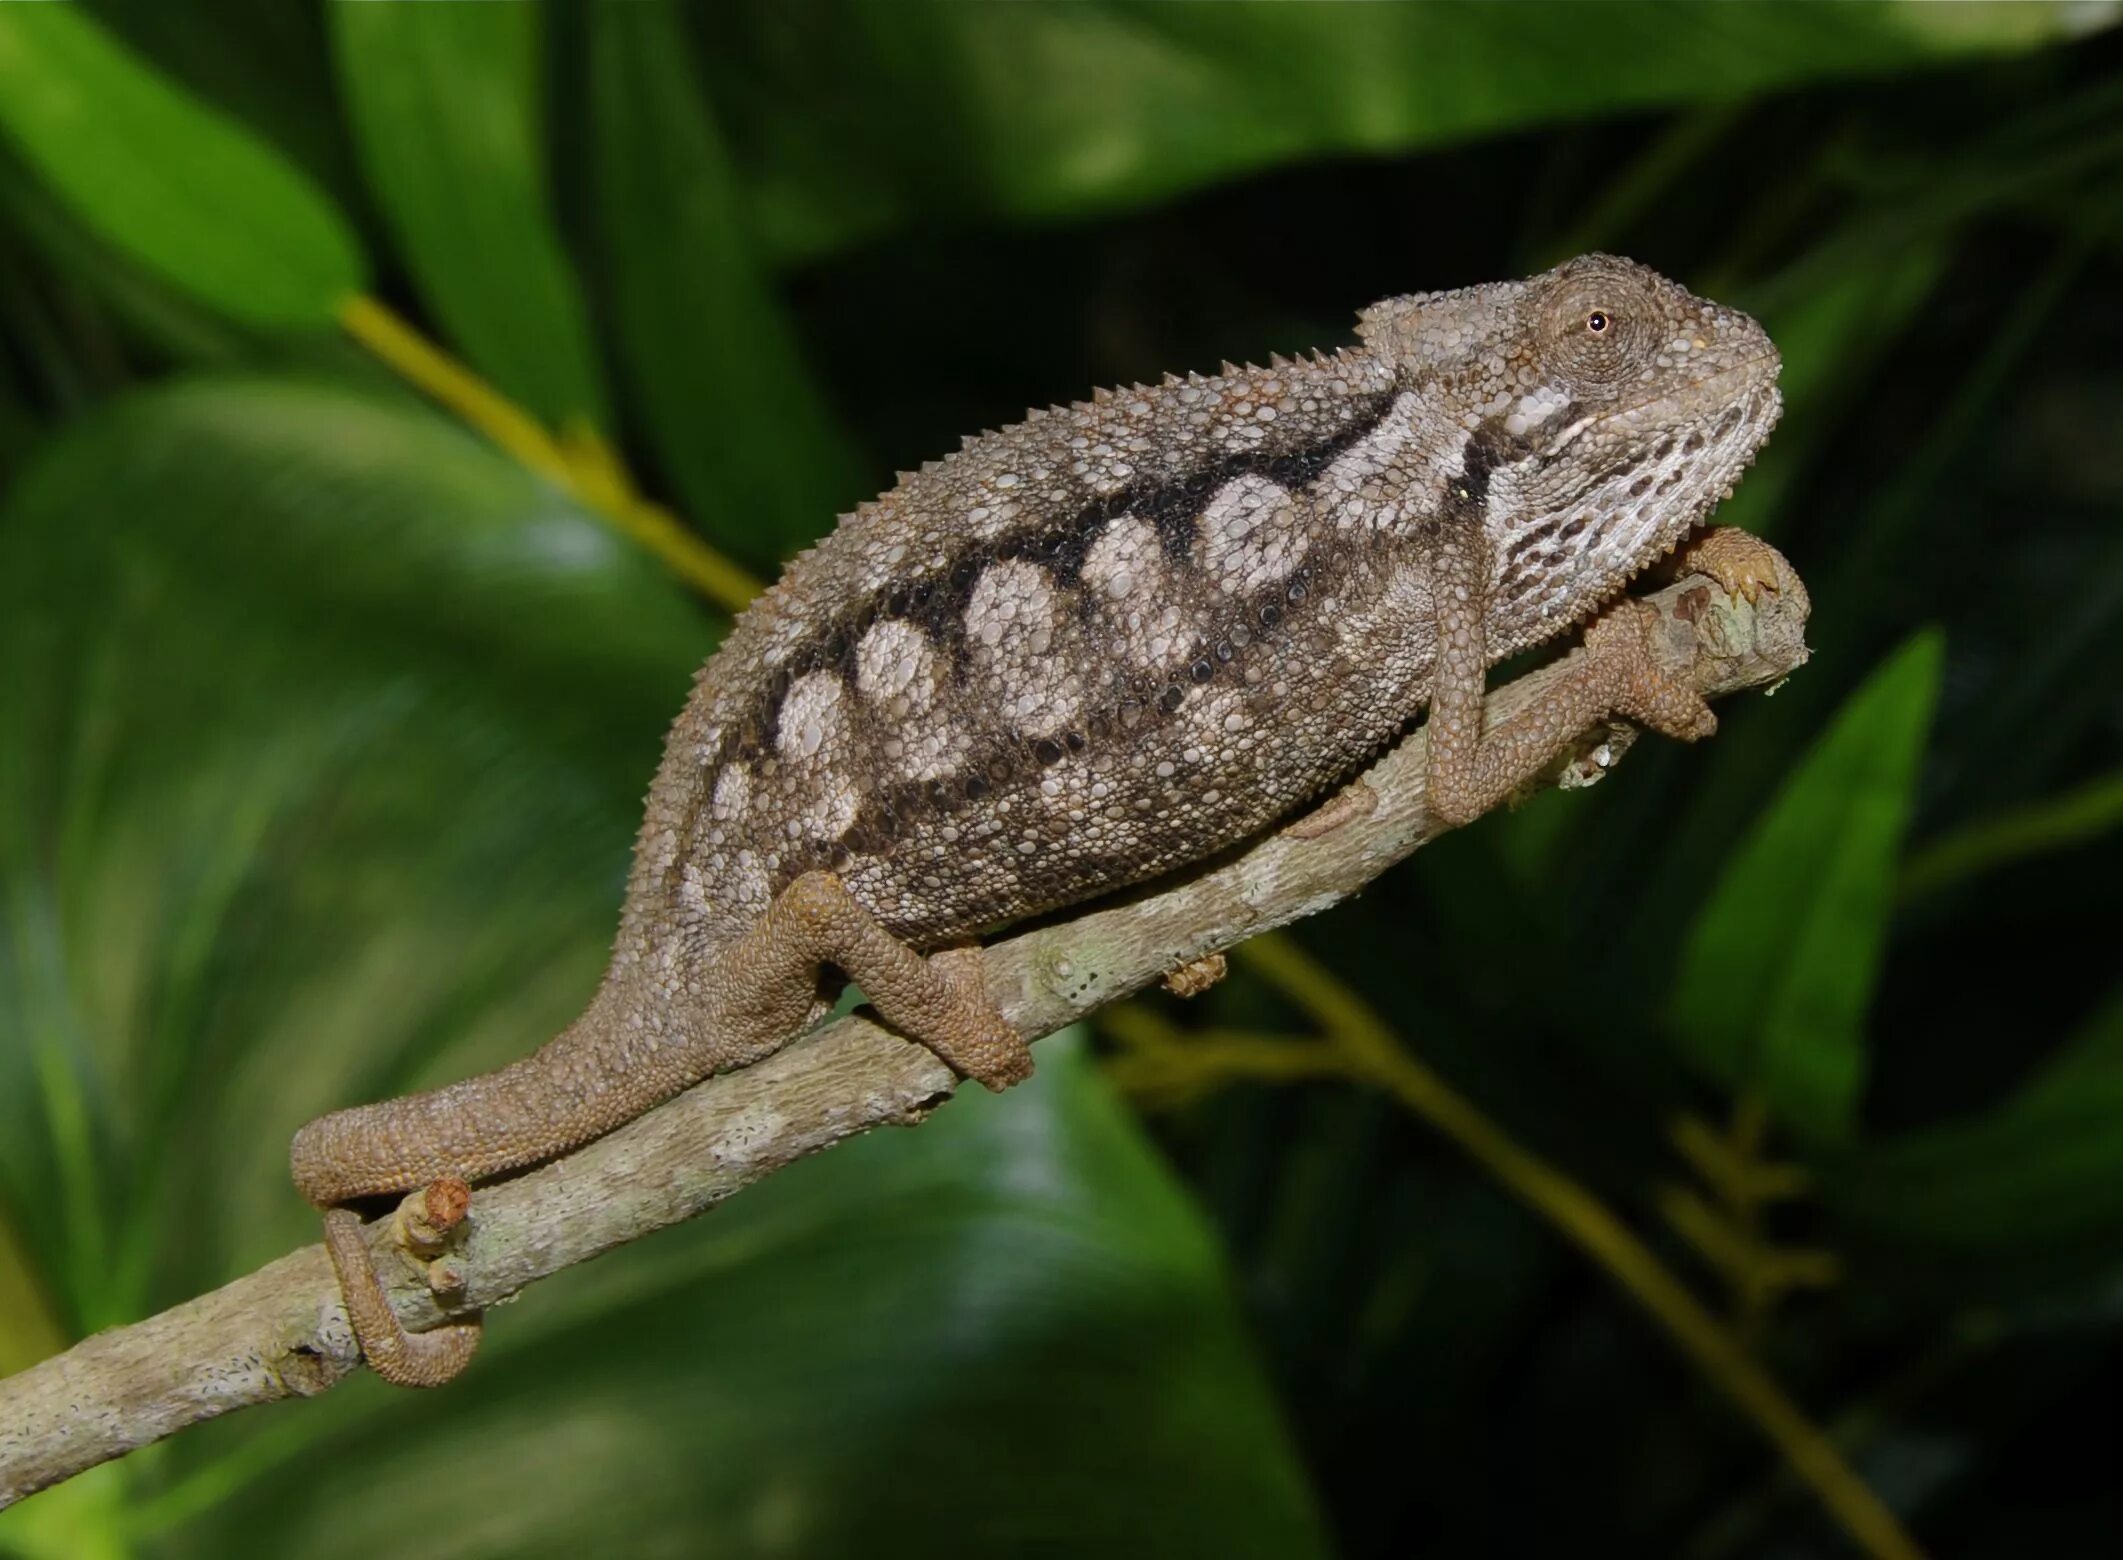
x: 1174, y: 508
x: 936, y: 603
x: 765, y: 730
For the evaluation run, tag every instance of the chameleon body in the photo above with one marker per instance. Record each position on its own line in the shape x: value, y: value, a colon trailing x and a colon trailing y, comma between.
x: 1112, y: 639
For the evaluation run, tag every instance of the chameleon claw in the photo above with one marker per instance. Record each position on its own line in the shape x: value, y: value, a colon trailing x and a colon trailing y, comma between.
x: 1741, y: 563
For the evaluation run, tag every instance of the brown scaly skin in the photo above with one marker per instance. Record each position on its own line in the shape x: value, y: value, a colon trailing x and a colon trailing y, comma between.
x: 1108, y: 641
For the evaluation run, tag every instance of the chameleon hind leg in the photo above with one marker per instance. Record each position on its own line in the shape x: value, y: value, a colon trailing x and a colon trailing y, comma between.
x: 765, y: 982
x: 1469, y: 769
x: 754, y: 995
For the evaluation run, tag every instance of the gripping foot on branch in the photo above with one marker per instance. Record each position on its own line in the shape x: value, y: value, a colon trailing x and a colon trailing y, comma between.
x: 756, y: 994
x: 1469, y: 769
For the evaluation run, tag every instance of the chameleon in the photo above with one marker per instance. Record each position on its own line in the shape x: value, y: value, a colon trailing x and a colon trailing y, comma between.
x: 1097, y: 645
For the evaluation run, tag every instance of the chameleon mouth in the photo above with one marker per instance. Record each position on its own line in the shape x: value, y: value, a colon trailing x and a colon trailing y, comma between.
x: 1661, y: 533
x: 1630, y: 563
x: 1698, y: 516
x: 1695, y: 390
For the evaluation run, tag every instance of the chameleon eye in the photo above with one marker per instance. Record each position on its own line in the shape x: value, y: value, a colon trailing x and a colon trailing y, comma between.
x: 1593, y: 330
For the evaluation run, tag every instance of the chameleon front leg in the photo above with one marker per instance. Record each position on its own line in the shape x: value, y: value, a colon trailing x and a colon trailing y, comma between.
x: 605, y: 1070
x: 1470, y: 770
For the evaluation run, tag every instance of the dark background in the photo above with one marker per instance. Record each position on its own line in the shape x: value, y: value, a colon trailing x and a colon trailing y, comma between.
x: 324, y: 721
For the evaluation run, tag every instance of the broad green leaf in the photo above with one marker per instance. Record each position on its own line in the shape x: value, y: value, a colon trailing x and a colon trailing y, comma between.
x: 1778, y: 970
x: 2042, y: 1171
x: 266, y: 63
x: 167, y: 178
x: 326, y: 735
x: 1041, y: 111
x: 157, y: 311
x: 747, y: 440
x: 449, y: 116
x: 2081, y: 815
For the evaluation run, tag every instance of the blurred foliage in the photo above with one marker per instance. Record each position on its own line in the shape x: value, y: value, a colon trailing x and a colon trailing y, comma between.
x: 323, y: 725
x: 1779, y: 968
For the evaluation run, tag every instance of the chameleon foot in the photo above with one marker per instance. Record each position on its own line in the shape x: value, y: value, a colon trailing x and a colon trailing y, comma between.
x: 1741, y: 562
x: 1618, y: 653
x: 1196, y: 975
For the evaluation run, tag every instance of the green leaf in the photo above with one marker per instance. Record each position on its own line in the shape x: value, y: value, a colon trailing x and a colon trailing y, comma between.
x: 2042, y: 1172
x: 155, y: 310
x: 449, y: 118
x: 1058, y: 110
x: 331, y: 735
x: 1779, y: 968
x: 736, y: 420
x: 168, y: 179
x: 2080, y: 815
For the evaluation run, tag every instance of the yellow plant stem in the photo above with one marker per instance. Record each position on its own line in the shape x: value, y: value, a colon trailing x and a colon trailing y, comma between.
x: 29, y: 1327
x: 1363, y: 1048
x: 1731, y: 1235
x: 582, y: 463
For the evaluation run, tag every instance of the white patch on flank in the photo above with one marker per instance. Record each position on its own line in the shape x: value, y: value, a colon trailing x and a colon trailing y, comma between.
x: 733, y: 789
x: 1250, y: 534
x: 813, y: 717
x: 1125, y: 571
x: 895, y: 669
x: 1011, y: 625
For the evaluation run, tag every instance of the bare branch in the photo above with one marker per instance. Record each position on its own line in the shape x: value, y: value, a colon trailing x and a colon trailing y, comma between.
x: 282, y: 1331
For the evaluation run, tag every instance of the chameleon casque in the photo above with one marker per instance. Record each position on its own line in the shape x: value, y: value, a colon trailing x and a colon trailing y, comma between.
x: 1112, y: 639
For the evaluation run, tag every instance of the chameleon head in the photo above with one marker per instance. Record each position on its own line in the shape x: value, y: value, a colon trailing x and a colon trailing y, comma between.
x: 1603, y: 412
